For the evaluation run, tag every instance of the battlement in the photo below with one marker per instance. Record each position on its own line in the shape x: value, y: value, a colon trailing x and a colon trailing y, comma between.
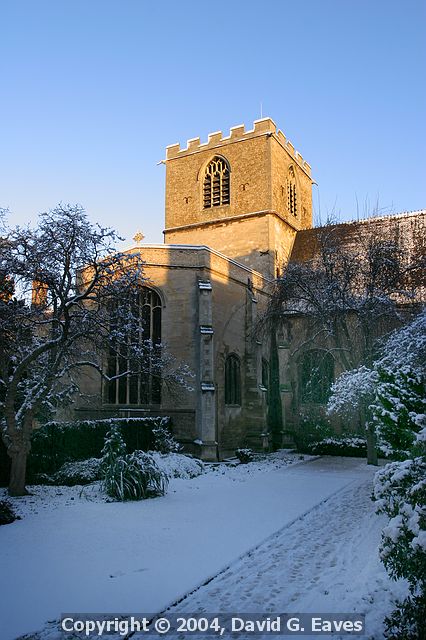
x: 263, y: 127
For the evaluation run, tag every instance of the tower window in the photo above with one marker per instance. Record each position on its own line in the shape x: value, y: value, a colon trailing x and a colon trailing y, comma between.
x: 232, y: 380
x: 216, y: 190
x: 291, y: 192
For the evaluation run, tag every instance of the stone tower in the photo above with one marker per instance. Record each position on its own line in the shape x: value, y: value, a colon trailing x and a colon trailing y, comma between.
x: 245, y: 195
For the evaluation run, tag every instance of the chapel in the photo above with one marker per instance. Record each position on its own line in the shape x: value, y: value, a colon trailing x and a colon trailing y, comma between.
x: 238, y: 208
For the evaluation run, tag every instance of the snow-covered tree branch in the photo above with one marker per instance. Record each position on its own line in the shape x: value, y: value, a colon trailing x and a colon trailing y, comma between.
x: 59, y: 286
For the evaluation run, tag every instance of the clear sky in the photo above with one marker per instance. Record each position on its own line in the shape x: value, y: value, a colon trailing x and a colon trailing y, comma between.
x: 92, y: 91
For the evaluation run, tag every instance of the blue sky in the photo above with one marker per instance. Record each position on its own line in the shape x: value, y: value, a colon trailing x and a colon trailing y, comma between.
x: 94, y: 90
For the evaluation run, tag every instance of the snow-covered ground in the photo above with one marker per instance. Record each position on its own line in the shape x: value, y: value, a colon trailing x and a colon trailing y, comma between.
x: 310, y: 529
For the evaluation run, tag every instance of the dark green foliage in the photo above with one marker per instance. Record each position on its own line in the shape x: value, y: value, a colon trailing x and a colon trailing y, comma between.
x: 7, y: 514
x: 133, y: 476
x: 399, y: 401
x: 57, y: 443
x: 313, y: 428
x: 352, y: 446
x: 400, y: 493
x: 407, y: 620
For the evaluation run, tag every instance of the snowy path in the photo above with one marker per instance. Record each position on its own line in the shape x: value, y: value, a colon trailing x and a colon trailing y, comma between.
x: 324, y: 562
x: 75, y: 554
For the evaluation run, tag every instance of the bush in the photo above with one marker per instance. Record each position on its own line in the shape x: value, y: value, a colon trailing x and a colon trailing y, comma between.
x: 398, y: 410
x: 244, y: 455
x: 7, y: 515
x: 133, y: 476
x: 340, y: 446
x: 79, y: 472
x: 163, y: 441
x: 177, y: 465
x: 400, y: 493
x: 407, y: 620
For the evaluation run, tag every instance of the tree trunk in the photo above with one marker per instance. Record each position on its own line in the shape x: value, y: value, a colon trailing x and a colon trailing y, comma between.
x: 17, y: 474
x: 371, y: 446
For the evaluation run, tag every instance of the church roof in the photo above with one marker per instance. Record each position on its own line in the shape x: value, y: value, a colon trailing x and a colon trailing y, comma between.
x: 409, y: 227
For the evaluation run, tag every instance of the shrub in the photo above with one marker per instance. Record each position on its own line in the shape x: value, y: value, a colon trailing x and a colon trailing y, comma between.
x: 407, y: 620
x: 244, y: 455
x: 163, y: 440
x: 177, y: 465
x: 7, y: 515
x: 340, y: 446
x: 78, y: 472
x: 133, y: 476
x: 400, y: 493
x: 345, y: 445
x: 398, y: 411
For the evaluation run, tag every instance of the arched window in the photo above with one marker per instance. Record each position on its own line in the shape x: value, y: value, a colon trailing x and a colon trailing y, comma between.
x: 291, y: 192
x: 316, y: 374
x: 135, y: 326
x: 232, y: 380
x: 216, y: 188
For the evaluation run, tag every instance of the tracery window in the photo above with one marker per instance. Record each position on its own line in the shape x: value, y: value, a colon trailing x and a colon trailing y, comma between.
x: 291, y: 192
x: 316, y: 374
x: 232, y: 380
x: 135, y: 326
x: 216, y: 187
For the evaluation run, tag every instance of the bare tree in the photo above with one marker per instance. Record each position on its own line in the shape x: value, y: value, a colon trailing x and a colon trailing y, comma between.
x: 349, y: 289
x: 59, y: 283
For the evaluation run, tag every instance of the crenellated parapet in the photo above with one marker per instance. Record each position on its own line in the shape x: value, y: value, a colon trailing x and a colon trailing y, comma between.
x: 265, y: 126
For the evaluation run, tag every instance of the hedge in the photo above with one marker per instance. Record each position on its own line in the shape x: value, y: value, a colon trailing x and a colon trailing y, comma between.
x: 56, y: 443
x: 354, y: 446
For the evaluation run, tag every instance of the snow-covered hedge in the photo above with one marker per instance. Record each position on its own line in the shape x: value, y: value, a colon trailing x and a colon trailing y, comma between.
x: 340, y: 446
x: 57, y: 443
x: 178, y: 465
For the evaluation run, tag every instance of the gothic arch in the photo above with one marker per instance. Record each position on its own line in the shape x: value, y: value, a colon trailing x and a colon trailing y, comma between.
x: 142, y: 388
x: 215, y: 178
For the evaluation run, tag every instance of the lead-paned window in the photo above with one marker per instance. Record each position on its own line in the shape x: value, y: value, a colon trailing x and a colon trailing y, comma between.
x: 216, y: 184
x: 135, y: 326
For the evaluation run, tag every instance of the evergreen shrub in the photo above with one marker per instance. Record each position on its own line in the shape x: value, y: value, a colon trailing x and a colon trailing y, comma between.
x: 133, y: 476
